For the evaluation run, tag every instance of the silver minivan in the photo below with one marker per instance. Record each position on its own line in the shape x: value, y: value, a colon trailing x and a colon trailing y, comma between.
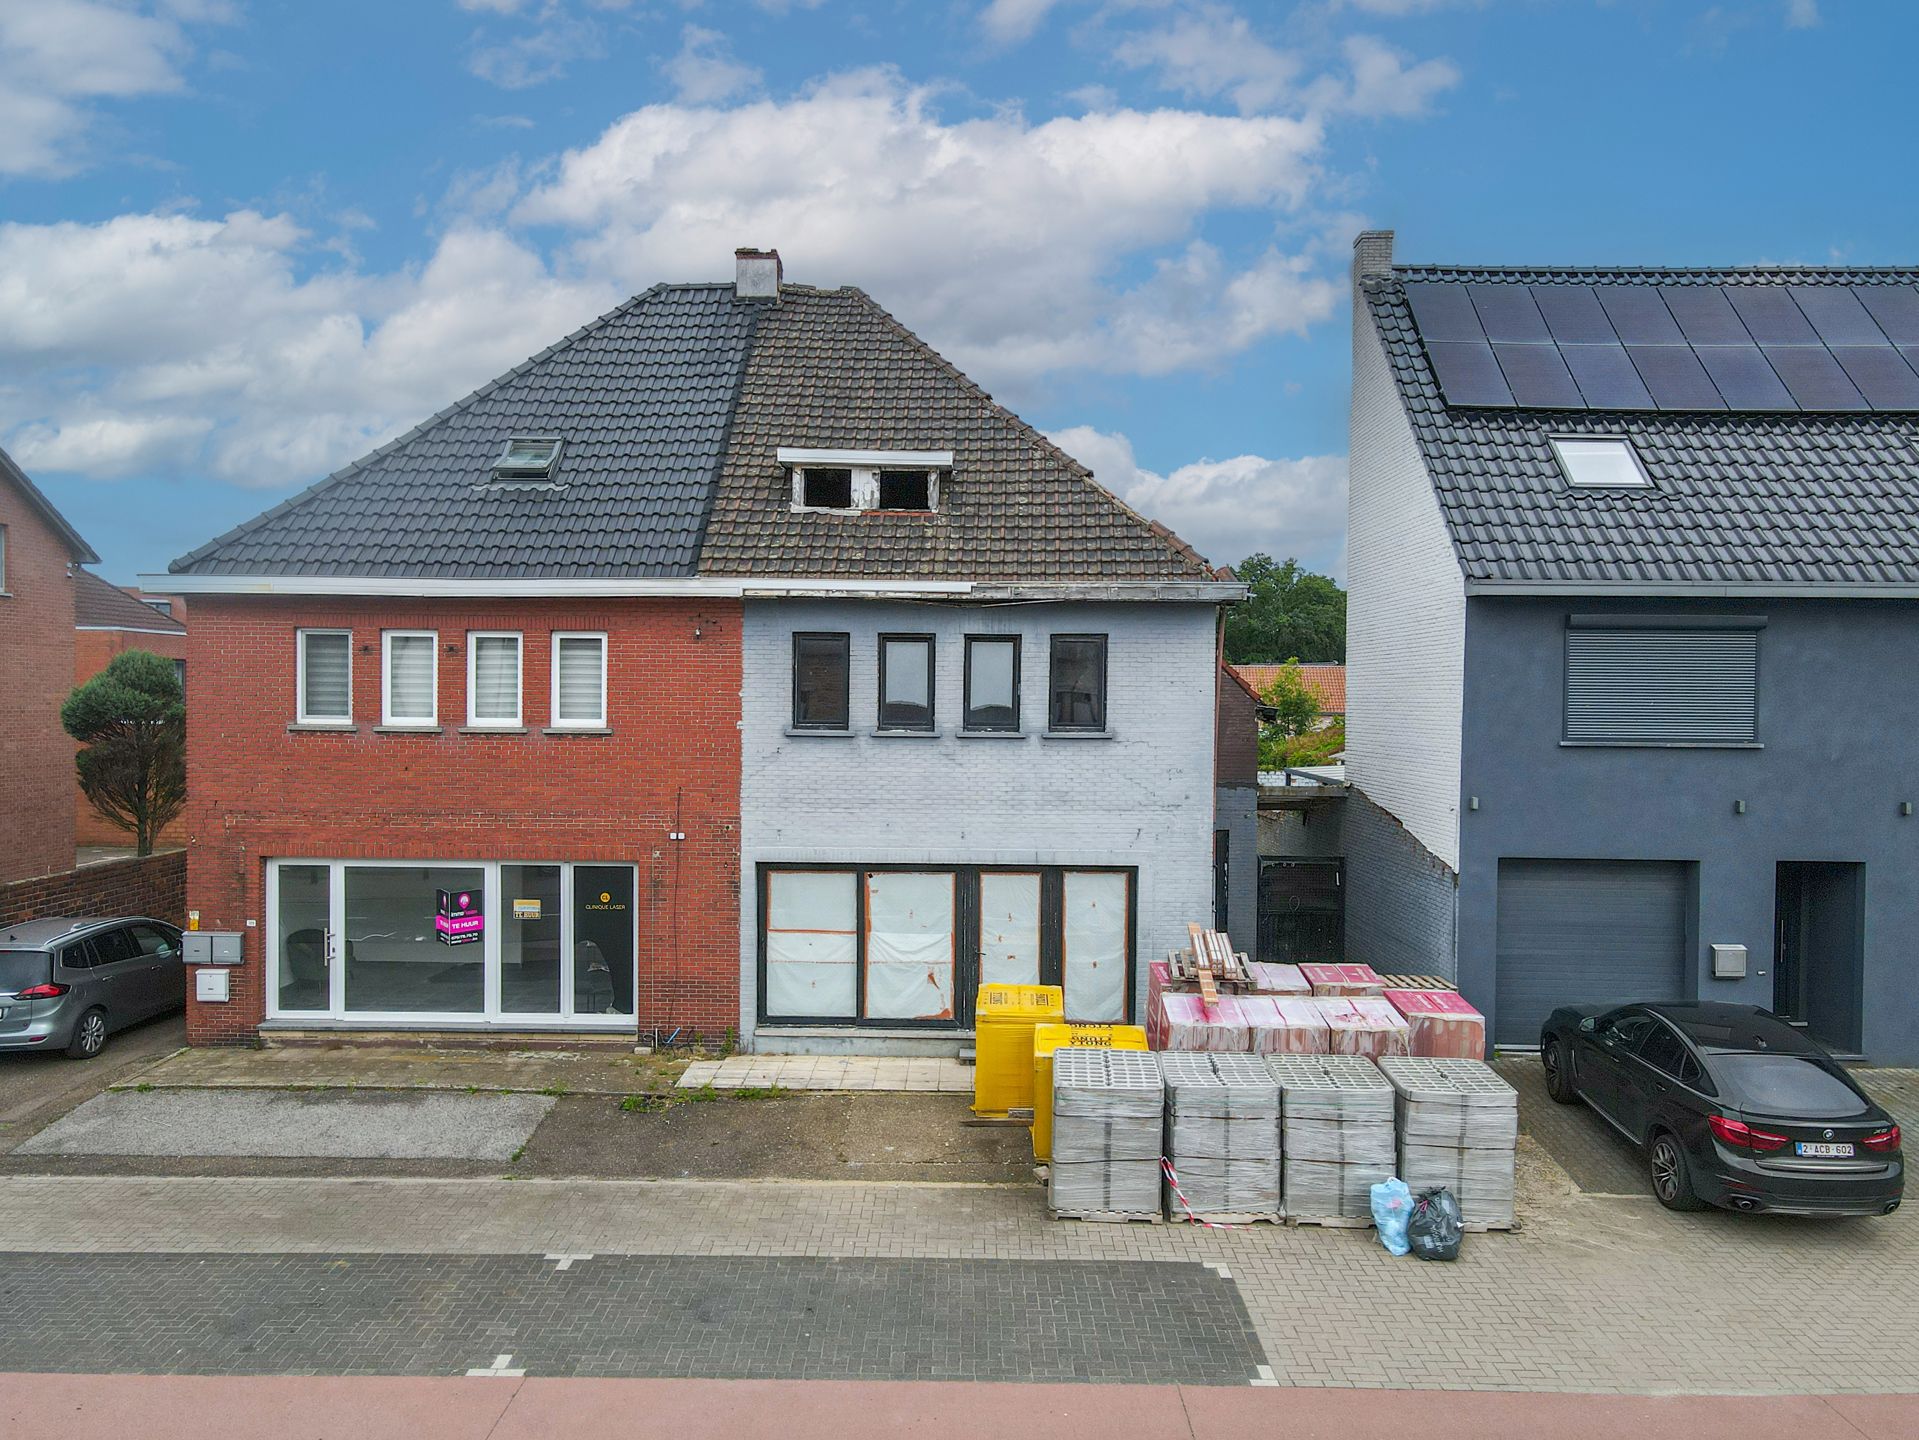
x: 67, y: 984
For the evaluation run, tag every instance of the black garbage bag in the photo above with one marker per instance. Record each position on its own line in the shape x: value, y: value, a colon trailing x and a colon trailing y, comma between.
x: 1436, y: 1225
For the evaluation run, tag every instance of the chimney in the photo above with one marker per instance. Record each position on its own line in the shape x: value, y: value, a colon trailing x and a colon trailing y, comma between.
x: 1372, y: 254
x: 757, y: 274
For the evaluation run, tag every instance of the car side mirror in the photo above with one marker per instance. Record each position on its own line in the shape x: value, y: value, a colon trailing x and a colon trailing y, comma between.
x: 1587, y: 1025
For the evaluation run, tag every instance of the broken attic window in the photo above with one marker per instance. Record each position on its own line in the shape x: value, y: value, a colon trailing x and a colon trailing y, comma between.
x: 906, y: 490
x: 826, y: 488
x: 528, y: 457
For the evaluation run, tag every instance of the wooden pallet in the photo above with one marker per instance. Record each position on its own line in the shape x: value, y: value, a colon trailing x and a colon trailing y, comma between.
x: 1109, y: 1217
x: 1227, y: 1217
x: 1211, y: 964
x: 1332, y: 1222
x: 1490, y: 1227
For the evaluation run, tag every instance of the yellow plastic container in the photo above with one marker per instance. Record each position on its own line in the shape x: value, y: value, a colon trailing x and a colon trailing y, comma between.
x: 1003, y: 1020
x: 1047, y: 1039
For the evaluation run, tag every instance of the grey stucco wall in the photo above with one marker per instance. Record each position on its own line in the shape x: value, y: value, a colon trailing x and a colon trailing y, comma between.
x: 1401, y: 899
x: 1237, y: 808
x: 1142, y: 798
x: 1838, y: 697
x: 1311, y: 832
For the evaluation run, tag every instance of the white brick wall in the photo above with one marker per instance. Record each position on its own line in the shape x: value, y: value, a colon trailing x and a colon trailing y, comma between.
x: 1143, y: 798
x: 1405, y: 615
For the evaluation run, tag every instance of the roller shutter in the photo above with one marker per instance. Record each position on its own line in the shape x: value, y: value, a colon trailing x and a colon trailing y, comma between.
x: 1662, y: 687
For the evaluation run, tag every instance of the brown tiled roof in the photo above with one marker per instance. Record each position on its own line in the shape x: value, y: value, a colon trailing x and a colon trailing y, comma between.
x: 1327, y: 683
x: 101, y: 606
x: 830, y: 369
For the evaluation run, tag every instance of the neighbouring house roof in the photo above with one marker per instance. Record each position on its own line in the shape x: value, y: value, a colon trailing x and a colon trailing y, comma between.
x: 79, y: 548
x: 671, y: 410
x: 1326, y: 683
x: 98, y: 605
x: 1775, y: 412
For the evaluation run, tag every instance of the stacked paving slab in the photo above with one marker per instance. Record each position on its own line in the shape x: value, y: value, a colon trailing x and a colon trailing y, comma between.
x: 1108, y: 1117
x: 1458, y: 1126
x: 1336, y: 1134
x: 1222, y: 1136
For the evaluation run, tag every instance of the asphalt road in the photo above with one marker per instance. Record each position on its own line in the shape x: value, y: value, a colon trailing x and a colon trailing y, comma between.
x: 36, y: 1088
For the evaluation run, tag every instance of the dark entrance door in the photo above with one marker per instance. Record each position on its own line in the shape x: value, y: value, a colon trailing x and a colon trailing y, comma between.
x: 1302, y: 912
x: 1819, y: 949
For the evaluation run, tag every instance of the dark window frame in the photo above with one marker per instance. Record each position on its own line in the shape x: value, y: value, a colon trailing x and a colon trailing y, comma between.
x: 806, y: 477
x: 966, y: 935
x: 845, y: 643
x: 1052, y: 685
x: 967, y: 711
x: 886, y: 475
x: 932, y: 676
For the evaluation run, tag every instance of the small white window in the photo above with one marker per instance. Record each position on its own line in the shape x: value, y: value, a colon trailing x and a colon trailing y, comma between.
x: 863, y: 481
x: 579, y: 681
x: 325, y: 680
x: 493, y: 679
x: 528, y: 457
x: 1600, y: 462
x: 410, y: 678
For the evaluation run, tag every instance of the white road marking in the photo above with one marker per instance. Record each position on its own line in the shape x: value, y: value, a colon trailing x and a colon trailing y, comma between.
x: 502, y: 1365
x: 1264, y: 1376
x: 565, y: 1262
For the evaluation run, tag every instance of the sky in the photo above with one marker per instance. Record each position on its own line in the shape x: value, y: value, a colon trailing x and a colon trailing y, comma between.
x: 242, y: 242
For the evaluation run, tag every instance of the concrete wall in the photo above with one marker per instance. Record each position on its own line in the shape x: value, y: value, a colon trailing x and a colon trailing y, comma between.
x: 1237, y: 807
x: 1143, y: 797
x: 1401, y: 899
x: 36, y: 672
x: 1838, y: 697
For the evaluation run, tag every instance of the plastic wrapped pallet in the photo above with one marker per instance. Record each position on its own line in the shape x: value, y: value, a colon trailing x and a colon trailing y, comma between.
x: 1343, y: 979
x: 1364, y: 1025
x: 1336, y: 1134
x: 1222, y: 1135
x: 1443, y: 1024
x: 1284, y: 1025
x: 1108, y: 1124
x: 1270, y: 979
x: 1159, y: 981
x: 1458, y: 1126
x: 1187, y: 1022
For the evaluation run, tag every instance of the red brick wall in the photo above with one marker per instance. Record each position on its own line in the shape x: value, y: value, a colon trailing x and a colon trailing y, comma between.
x: 1236, y: 740
x: 36, y: 672
x: 156, y: 886
x: 672, y: 761
x: 92, y: 649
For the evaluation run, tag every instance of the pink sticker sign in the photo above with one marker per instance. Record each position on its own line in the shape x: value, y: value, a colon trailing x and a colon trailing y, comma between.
x: 458, y: 920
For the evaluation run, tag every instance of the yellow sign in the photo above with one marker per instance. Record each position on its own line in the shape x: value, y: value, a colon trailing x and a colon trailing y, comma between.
x: 526, y: 909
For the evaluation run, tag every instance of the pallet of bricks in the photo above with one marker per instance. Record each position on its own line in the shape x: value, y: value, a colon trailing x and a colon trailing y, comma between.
x: 1336, y: 1119
x: 1458, y: 1127
x: 1108, y: 1121
x: 1222, y: 1139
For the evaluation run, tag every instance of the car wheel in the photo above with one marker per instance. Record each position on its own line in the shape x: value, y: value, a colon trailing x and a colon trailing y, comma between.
x: 1671, y: 1181
x: 89, y: 1035
x: 1559, y: 1084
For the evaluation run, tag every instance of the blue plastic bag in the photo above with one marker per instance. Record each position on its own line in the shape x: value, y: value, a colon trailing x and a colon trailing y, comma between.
x: 1392, y: 1209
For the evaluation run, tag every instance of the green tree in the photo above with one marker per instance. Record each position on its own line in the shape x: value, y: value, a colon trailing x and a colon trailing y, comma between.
x: 132, y: 719
x: 1288, y: 610
x: 1290, y: 712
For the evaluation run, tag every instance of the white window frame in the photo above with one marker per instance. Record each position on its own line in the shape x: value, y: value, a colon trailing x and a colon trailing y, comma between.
x: 473, y: 720
x: 387, y: 638
x: 301, y: 715
x: 865, y: 466
x: 1568, y: 450
x: 553, y: 712
x: 3, y: 561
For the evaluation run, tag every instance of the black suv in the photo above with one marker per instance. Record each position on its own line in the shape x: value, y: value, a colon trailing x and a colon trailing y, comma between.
x: 1730, y: 1105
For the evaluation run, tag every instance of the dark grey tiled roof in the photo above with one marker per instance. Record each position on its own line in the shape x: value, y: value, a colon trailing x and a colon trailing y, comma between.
x: 641, y: 397
x: 1737, y: 498
x: 102, y: 605
x: 830, y: 369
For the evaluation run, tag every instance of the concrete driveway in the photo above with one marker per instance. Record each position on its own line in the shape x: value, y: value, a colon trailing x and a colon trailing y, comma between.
x: 37, y: 1088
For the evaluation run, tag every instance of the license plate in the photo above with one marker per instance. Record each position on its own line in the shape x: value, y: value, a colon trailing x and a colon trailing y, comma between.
x: 1817, y: 1151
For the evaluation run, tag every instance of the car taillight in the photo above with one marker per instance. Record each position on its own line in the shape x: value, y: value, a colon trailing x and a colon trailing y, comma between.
x: 1738, y: 1133
x: 1885, y: 1140
x: 42, y: 992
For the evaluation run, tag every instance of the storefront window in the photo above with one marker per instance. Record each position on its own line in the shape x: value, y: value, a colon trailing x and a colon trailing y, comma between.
x: 304, y: 910
x: 603, y: 939
x: 415, y: 938
x: 812, y: 943
x: 1008, y: 929
x: 1094, y: 944
x: 530, y: 939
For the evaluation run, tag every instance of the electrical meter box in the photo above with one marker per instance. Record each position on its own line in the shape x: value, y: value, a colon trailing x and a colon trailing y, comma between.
x: 211, y: 947
x: 1729, y: 962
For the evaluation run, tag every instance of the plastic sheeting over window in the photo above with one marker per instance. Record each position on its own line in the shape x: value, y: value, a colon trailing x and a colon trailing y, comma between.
x: 1009, y: 929
x: 812, y: 943
x: 1094, y: 933
x: 909, y: 945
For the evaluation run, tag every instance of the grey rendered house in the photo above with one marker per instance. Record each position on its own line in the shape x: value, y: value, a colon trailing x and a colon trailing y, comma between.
x: 1634, y: 569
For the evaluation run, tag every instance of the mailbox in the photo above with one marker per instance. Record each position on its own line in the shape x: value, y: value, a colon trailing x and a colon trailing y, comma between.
x: 212, y: 947
x: 1729, y: 962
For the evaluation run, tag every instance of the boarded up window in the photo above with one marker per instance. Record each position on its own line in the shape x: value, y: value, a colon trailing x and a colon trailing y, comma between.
x: 909, y: 945
x: 1095, y: 928
x: 1644, y: 686
x: 812, y: 944
x: 1009, y: 943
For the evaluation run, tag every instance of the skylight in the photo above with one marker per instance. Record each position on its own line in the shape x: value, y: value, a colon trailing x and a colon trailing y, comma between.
x: 1599, y: 462
x: 528, y: 457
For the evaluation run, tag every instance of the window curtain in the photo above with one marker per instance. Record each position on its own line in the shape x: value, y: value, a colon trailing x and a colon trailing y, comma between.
x: 410, y: 677
x: 580, y: 697
x: 496, y: 678
x: 329, y: 659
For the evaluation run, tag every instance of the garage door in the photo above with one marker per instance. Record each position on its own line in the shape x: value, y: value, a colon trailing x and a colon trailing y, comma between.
x: 1577, y: 932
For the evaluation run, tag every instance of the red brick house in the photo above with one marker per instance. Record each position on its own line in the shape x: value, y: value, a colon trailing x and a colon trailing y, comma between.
x: 40, y: 555
x: 107, y: 621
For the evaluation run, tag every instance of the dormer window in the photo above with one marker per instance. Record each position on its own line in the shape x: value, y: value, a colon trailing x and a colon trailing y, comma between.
x: 528, y: 459
x: 860, y: 482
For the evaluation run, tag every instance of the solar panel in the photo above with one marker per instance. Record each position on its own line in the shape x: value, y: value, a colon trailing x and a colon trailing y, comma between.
x: 1606, y: 377
x: 1895, y: 307
x: 1770, y: 315
x: 1704, y: 314
x: 1674, y: 375
x: 1639, y: 315
x: 1573, y: 315
x: 1508, y: 313
x: 1742, y: 376
x: 1882, y: 377
x: 1837, y: 315
x: 1443, y: 312
x: 1538, y: 377
x: 1814, y: 377
x: 1468, y: 374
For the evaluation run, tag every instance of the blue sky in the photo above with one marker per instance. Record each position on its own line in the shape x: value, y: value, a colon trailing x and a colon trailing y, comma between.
x: 243, y: 241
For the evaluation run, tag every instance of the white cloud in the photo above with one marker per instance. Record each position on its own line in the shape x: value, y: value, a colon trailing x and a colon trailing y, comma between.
x: 1213, y: 52
x: 112, y: 445
x: 1229, y: 509
x: 706, y: 69
x: 1011, y: 21
x: 1802, y: 14
x: 1383, y: 84
x: 520, y: 60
